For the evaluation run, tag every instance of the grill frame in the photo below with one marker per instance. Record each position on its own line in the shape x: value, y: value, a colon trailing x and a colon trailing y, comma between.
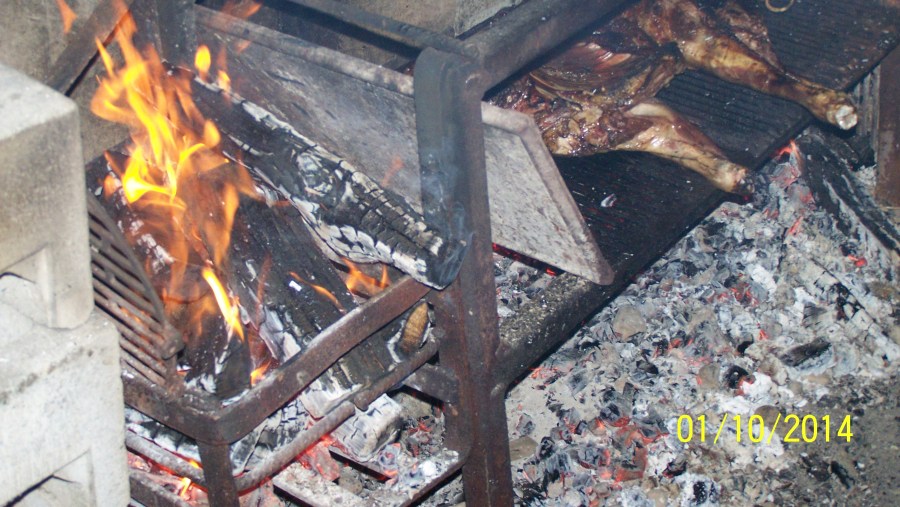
x: 450, y: 81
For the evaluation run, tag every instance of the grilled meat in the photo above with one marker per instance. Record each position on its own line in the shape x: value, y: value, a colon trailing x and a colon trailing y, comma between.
x: 596, y: 96
x: 722, y: 41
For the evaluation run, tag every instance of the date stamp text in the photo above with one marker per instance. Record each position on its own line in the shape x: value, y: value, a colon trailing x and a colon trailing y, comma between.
x: 755, y: 429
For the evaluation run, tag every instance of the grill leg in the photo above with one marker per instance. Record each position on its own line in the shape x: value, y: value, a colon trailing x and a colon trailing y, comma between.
x: 220, y: 486
x: 451, y: 153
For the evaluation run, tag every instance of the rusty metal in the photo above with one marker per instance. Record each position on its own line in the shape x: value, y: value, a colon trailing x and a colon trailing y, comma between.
x: 220, y: 485
x: 437, y: 382
x: 337, y: 97
x: 157, y: 454
x: 888, y: 143
x: 335, y: 417
x: 123, y: 291
x: 150, y: 493
x: 205, y: 419
x: 531, y: 30
x: 448, y: 91
x: 216, y: 474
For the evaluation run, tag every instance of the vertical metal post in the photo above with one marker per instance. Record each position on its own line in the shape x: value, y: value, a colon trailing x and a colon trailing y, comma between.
x: 220, y: 485
x: 448, y: 91
x: 888, y: 142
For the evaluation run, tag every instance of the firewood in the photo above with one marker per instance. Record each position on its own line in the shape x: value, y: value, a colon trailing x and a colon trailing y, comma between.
x: 349, y: 212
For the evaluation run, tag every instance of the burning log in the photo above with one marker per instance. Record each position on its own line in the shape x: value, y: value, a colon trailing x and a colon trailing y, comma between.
x: 348, y: 211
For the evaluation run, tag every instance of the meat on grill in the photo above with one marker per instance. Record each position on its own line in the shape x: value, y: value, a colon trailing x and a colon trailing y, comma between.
x: 597, y: 96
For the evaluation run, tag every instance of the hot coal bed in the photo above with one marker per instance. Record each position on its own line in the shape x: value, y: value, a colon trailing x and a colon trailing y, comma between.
x: 766, y: 308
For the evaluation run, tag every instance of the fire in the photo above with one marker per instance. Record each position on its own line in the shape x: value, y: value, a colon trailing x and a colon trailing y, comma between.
x: 229, y: 311
x: 788, y: 149
x: 359, y: 282
x: 185, y: 491
x: 176, y: 175
x: 259, y: 372
x: 67, y: 14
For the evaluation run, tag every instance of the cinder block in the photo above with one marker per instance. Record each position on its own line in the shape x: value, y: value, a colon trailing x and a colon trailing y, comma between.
x: 43, y: 214
x: 61, y: 407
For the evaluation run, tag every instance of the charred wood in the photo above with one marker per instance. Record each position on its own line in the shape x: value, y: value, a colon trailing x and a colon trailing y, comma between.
x: 348, y: 211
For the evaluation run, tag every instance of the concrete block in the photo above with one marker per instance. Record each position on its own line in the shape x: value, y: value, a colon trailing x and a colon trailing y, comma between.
x: 43, y: 214
x: 31, y: 33
x: 61, y: 407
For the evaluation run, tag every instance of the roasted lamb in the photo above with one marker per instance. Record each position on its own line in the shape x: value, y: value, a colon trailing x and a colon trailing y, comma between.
x: 597, y: 95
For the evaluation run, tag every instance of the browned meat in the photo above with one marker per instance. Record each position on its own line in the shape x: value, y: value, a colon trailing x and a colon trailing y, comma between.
x: 596, y: 96
x: 721, y: 44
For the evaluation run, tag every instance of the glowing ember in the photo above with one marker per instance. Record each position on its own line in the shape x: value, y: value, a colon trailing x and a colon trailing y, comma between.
x: 176, y: 175
x: 67, y: 14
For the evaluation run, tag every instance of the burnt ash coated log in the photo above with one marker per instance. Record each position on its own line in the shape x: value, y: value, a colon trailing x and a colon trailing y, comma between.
x: 348, y: 211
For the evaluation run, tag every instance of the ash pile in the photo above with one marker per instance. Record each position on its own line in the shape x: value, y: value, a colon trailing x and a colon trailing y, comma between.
x: 774, y: 307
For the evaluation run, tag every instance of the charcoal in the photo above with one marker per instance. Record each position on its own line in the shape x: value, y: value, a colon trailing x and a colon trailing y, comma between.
x: 525, y: 425
x: 807, y: 355
x: 842, y: 474
x: 734, y: 376
x: 546, y: 448
x: 676, y: 467
x: 557, y: 464
x: 816, y: 467
x: 698, y: 490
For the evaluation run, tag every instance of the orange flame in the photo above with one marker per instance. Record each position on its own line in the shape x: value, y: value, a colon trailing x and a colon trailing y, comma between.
x: 176, y: 174
x: 788, y: 149
x: 185, y: 491
x: 67, y: 14
x: 227, y: 308
x: 257, y: 374
x: 359, y: 282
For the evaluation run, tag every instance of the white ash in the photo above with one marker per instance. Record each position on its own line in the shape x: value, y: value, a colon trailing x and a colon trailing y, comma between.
x: 763, y: 308
x: 517, y: 283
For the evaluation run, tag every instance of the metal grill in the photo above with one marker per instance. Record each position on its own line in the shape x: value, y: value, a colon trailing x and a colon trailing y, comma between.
x: 149, y: 342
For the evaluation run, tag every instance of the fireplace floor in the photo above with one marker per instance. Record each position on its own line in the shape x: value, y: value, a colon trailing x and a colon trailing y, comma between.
x: 765, y: 308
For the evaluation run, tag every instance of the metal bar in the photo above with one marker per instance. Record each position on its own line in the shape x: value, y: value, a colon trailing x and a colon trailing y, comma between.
x: 121, y: 281
x: 136, y: 318
x: 217, y: 424
x: 887, y: 189
x: 150, y: 493
x: 179, y: 466
x: 114, y: 246
x: 531, y: 30
x: 130, y: 363
x: 220, y: 484
x: 439, y: 383
x: 333, y: 419
x: 384, y: 26
x: 448, y: 91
